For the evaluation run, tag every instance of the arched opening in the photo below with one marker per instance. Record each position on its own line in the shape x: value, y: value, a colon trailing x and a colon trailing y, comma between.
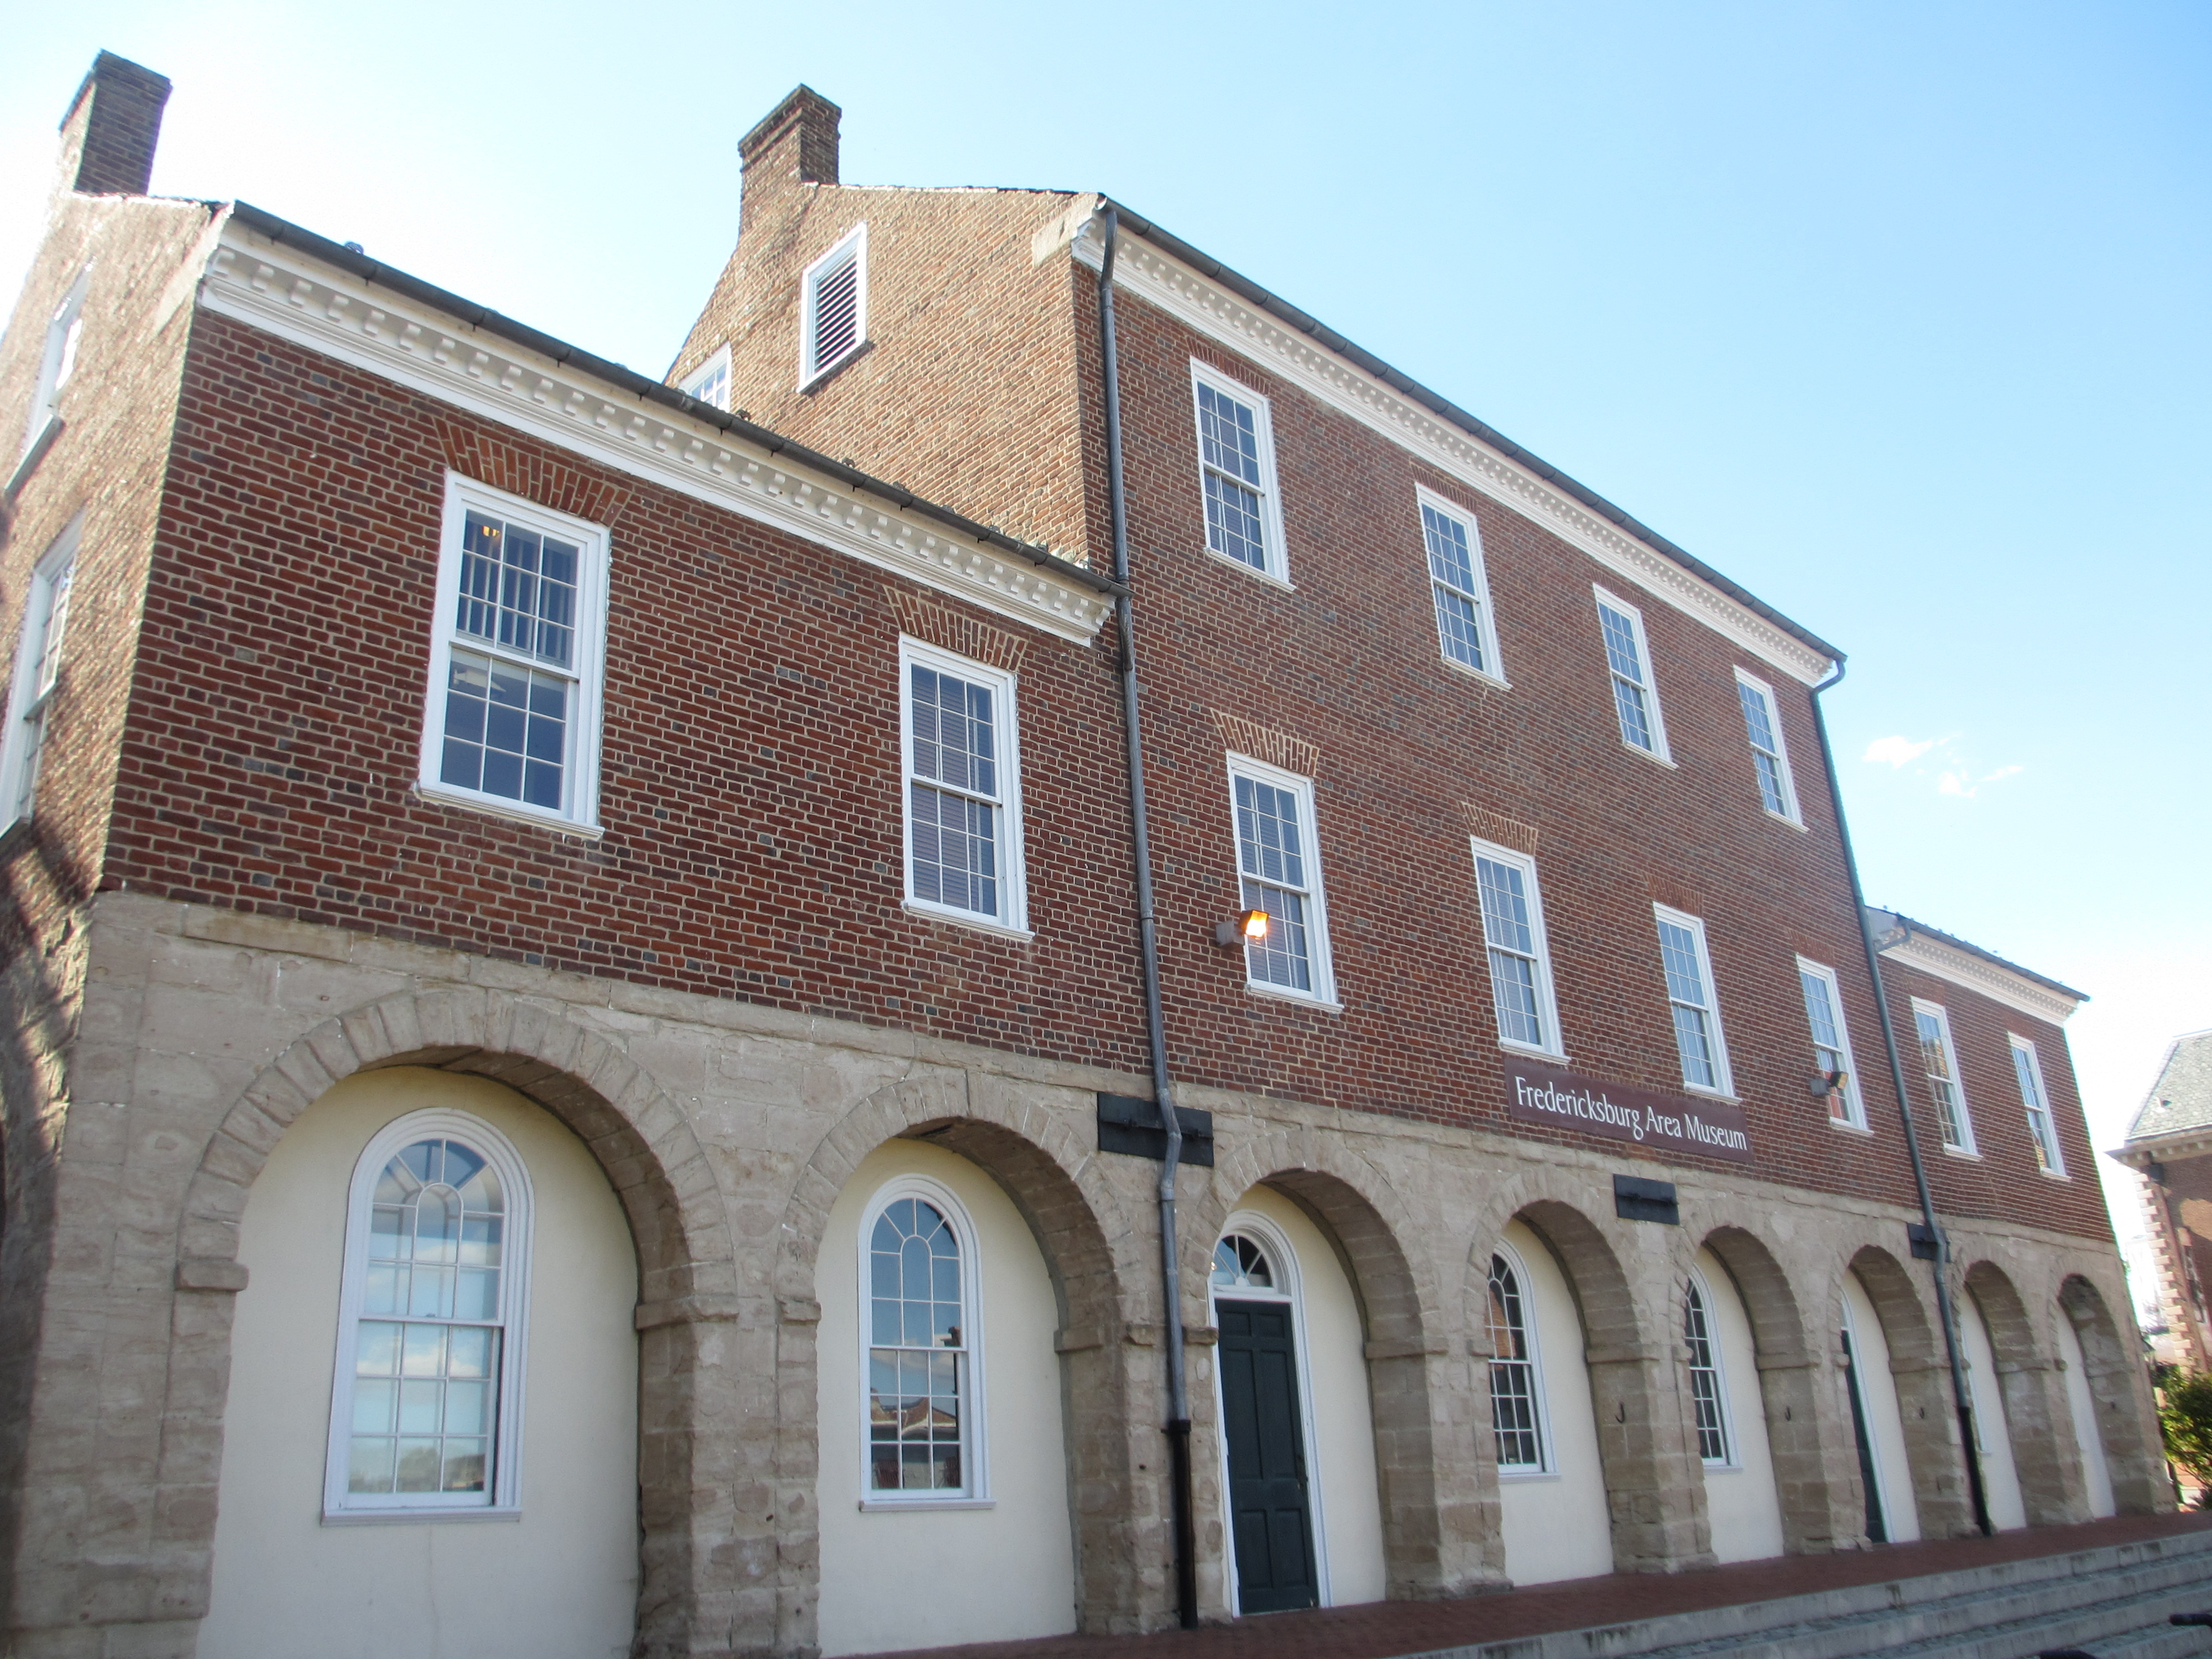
x: 2110, y: 1405
x: 1743, y: 1508
x: 459, y: 1365
x: 1997, y: 1408
x: 1903, y: 1389
x: 2045, y: 1467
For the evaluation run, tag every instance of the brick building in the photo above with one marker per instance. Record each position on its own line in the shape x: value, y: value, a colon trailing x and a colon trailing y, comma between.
x: 2170, y: 1145
x: 531, y: 887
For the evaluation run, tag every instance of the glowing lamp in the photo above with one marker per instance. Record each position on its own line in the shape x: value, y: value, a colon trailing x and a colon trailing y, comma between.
x: 1249, y: 928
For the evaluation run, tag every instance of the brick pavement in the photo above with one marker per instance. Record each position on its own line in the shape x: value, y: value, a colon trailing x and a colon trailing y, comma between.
x: 1382, y: 1630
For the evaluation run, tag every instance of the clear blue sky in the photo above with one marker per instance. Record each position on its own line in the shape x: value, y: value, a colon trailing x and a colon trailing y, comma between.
x: 1895, y: 313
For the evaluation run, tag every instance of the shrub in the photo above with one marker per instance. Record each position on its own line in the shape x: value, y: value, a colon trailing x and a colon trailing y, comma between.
x: 2184, y: 1414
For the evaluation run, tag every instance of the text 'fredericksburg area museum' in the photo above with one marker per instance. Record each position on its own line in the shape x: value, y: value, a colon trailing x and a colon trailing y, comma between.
x: 928, y: 984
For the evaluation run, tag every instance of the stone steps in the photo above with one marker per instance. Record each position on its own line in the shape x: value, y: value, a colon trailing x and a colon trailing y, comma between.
x: 2112, y: 1601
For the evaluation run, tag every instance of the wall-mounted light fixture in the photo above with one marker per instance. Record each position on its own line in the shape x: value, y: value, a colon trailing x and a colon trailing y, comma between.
x: 1825, y: 1084
x: 1249, y: 928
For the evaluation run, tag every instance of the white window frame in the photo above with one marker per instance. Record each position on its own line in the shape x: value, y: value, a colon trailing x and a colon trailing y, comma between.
x: 1277, y: 569
x: 1547, y: 997
x: 1289, y: 1287
x: 39, y: 641
x: 1493, y: 669
x: 975, y: 1435
x: 855, y: 243
x: 1549, y: 1470
x: 580, y: 812
x: 1854, y: 1100
x: 2049, y: 1153
x: 1648, y: 685
x: 1723, y: 1084
x: 694, y: 383
x: 56, y: 359
x: 1966, y: 1145
x: 1779, y: 754
x: 504, y: 1501
x: 1731, y: 1447
x: 1013, y: 881
x: 1320, y: 963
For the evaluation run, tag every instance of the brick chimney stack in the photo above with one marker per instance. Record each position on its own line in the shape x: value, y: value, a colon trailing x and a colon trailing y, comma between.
x: 109, y: 133
x: 796, y: 144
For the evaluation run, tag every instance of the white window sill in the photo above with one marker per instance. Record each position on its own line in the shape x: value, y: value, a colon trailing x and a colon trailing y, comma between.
x: 1284, y: 994
x: 494, y: 806
x: 1966, y: 1153
x: 1475, y: 673
x: 827, y: 369
x: 414, y: 1517
x: 1700, y: 1089
x: 1528, y: 1474
x: 1651, y: 754
x: 1253, y: 571
x: 1798, y: 825
x: 965, y: 919
x: 1552, y: 1055
x: 893, y: 1505
x: 1842, y: 1127
x: 1712, y: 1467
x: 2054, y: 1174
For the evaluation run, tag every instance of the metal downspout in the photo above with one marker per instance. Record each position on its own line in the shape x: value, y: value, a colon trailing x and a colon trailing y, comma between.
x: 1960, y: 1397
x: 1171, y: 1332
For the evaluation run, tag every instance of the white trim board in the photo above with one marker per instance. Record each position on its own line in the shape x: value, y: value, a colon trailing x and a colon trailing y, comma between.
x: 1984, y: 978
x: 1221, y: 316
x: 297, y: 298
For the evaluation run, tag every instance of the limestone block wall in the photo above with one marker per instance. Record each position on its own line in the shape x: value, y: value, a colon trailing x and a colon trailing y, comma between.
x: 728, y: 1131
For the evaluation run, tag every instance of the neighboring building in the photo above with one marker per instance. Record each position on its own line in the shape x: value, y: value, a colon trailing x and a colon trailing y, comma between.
x: 2170, y: 1145
x: 528, y: 888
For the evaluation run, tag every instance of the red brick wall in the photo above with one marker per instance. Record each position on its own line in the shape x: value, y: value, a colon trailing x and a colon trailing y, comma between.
x: 750, y: 785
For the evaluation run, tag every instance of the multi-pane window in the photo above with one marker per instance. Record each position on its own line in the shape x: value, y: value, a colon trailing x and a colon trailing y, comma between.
x: 834, y: 306
x: 919, y: 1348
x: 1515, y: 1411
x: 1520, y: 960
x: 1690, y: 1001
x: 1939, y: 1062
x: 1832, y: 1042
x: 963, y: 812
x: 1240, y: 1265
x: 1236, y: 466
x: 37, y: 672
x: 1778, y: 792
x: 512, y: 721
x: 426, y: 1394
x: 1628, y: 666
x: 2042, y: 1128
x: 710, y: 382
x: 1280, y: 873
x: 1459, y: 587
x: 1705, y: 1395
x: 57, y: 363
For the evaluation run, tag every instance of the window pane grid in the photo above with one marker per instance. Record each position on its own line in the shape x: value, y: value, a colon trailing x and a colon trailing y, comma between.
x: 1942, y: 1084
x: 1705, y: 1381
x: 510, y: 707
x: 1511, y: 940
x: 1451, y: 570
x: 917, y: 1352
x: 2042, y: 1130
x: 1825, y: 1020
x: 1512, y: 1374
x: 1271, y: 854
x: 1690, y: 1003
x: 1229, y: 443
x: 954, y: 801
x: 1625, y: 658
x: 1766, y: 750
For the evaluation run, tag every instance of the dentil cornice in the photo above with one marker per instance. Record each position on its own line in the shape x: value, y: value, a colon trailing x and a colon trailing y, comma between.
x: 297, y: 298
x: 1977, y: 974
x: 1219, y: 315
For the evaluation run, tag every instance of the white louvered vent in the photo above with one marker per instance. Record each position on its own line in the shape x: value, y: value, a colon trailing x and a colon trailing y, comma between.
x: 836, y: 306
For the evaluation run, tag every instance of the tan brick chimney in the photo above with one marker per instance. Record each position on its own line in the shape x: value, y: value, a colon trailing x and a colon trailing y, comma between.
x: 112, y: 127
x: 796, y: 144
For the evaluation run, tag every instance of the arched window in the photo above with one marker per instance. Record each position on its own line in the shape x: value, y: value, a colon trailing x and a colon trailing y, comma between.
x: 923, y: 1388
x: 1514, y: 1393
x: 1240, y: 1265
x: 428, y: 1394
x: 1705, y: 1392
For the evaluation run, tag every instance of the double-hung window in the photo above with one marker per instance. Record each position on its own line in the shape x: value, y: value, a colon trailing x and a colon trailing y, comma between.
x: 1708, y: 1393
x: 1762, y: 723
x: 58, y: 362
x: 2042, y: 1128
x: 964, y: 827
x: 1519, y: 957
x: 1690, y: 1001
x: 37, y: 672
x: 710, y: 382
x: 1832, y: 1042
x: 833, y: 322
x: 1515, y: 1386
x: 1628, y: 667
x: 427, y: 1399
x: 1939, y: 1062
x: 1459, y: 587
x: 1279, y: 868
x: 513, y: 717
x: 1237, y: 467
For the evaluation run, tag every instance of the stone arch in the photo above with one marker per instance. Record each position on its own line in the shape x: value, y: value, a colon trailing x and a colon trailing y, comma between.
x: 690, y: 1302
x: 2043, y: 1456
x: 1110, y: 1396
x: 1789, y: 1372
x: 1437, y: 1540
x: 2120, y: 1390
x: 1920, y: 1370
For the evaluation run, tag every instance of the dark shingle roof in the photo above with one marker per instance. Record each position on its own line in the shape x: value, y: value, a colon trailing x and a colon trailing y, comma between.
x: 2182, y: 1097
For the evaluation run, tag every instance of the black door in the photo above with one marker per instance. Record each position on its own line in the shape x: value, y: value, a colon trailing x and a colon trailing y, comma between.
x: 1875, y: 1530
x: 1268, y: 1516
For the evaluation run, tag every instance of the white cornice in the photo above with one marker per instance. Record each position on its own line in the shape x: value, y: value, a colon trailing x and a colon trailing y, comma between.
x: 299, y: 299
x: 1220, y: 315
x: 1978, y: 973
